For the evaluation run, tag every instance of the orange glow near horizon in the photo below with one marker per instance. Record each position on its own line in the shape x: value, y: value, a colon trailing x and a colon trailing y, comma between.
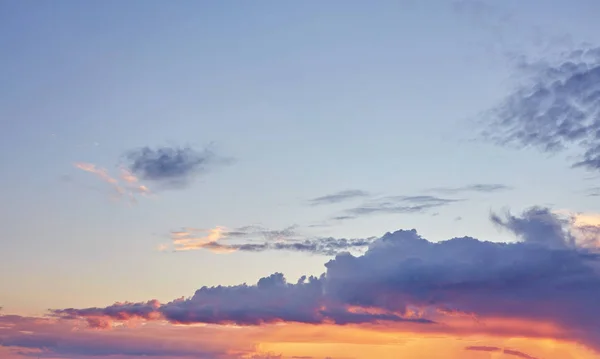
x: 490, y: 341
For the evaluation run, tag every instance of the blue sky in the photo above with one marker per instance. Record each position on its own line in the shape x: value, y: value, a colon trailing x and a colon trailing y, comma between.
x: 306, y: 98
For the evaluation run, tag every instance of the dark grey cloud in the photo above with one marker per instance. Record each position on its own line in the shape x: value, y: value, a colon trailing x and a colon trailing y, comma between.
x: 338, y: 197
x: 170, y: 166
x: 537, y: 224
x: 478, y: 187
x: 271, y: 300
x: 399, y: 204
x: 540, y: 277
x: 555, y: 109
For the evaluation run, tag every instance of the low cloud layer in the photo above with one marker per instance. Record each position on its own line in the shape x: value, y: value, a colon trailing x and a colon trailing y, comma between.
x: 172, y: 167
x: 26, y: 337
x: 544, y: 277
x: 556, y: 109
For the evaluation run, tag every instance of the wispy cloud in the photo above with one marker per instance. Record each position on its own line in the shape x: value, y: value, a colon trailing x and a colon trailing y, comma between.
x: 397, y: 204
x: 557, y: 108
x: 544, y: 277
x: 479, y: 187
x: 338, y: 197
x: 594, y: 192
x: 258, y: 239
x: 125, y: 186
x: 171, y: 167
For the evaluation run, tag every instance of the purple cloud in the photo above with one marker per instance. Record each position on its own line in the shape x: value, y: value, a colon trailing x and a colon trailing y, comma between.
x: 557, y: 108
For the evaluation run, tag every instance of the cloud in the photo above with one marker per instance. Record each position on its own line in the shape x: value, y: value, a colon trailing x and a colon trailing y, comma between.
x: 130, y: 187
x: 338, y: 197
x: 594, y: 192
x: 556, y: 229
x: 479, y: 187
x: 556, y: 109
x: 173, y: 167
x: 500, y: 350
x: 258, y: 239
x: 271, y: 300
x: 398, y: 204
x: 43, y: 338
x: 543, y: 278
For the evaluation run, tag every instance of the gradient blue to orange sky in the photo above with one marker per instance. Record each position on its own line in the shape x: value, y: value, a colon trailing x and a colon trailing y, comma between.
x: 235, y: 179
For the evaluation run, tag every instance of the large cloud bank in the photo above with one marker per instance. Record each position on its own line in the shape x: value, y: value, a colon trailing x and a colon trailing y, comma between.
x: 545, y: 276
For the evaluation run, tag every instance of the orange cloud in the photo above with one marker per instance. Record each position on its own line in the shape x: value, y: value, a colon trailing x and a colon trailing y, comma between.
x: 129, y: 189
x: 191, y: 239
x: 584, y: 227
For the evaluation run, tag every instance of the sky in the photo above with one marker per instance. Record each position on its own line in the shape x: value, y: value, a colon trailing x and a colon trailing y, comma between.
x: 335, y: 179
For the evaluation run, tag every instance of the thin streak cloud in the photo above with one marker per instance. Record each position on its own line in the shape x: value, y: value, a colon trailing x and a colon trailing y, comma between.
x: 127, y: 190
x: 339, y: 197
x: 256, y: 239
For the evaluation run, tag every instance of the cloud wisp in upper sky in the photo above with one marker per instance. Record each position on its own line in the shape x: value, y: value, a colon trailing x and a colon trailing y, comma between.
x: 477, y: 188
x: 398, y: 204
x: 544, y: 278
x: 338, y: 197
x: 171, y: 167
x: 556, y: 109
x: 594, y: 192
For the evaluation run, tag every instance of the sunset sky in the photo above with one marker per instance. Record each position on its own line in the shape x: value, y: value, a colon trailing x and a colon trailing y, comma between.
x: 300, y: 179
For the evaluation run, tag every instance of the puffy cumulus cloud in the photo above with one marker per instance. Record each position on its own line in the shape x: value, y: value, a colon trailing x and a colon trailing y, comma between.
x: 557, y: 108
x: 271, y: 300
x: 557, y: 229
x: 404, y: 279
x: 172, y: 167
x: 125, y: 186
x: 258, y: 239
